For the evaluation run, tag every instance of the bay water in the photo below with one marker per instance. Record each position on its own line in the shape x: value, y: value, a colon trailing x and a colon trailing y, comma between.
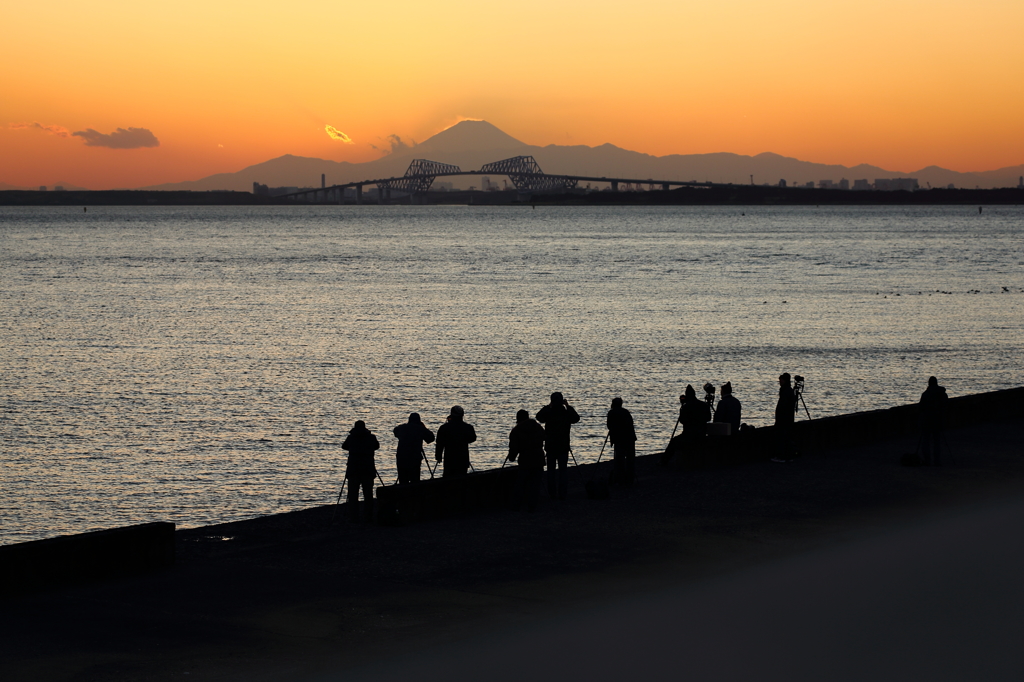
x: 204, y: 364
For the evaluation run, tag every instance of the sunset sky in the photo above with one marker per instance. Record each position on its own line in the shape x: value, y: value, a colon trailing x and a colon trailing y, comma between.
x: 115, y: 94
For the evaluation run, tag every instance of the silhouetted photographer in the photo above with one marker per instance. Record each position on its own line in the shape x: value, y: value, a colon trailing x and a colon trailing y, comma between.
x: 694, y: 415
x: 360, y: 469
x: 526, y: 444
x: 729, y: 410
x: 558, y: 416
x: 933, y: 413
x: 411, y: 437
x: 622, y: 434
x: 785, y: 417
x: 452, y: 446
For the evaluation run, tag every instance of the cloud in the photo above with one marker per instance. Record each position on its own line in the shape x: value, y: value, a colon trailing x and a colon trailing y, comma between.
x: 59, y: 131
x: 131, y: 138
x: 336, y: 134
x: 395, y: 144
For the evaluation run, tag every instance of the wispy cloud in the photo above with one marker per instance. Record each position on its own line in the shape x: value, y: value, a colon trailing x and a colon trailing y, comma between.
x: 395, y: 144
x: 336, y: 134
x: 122, y: 138
x: 59, y: 131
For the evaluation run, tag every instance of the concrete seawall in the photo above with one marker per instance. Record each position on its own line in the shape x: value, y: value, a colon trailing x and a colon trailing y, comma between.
x: 71, y: 559
x: 435, y: 498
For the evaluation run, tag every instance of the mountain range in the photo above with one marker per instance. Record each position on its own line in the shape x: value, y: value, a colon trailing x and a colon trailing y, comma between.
x: 470, y: 144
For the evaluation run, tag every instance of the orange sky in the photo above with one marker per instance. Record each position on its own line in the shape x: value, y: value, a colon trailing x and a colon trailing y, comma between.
x: 223, y: 85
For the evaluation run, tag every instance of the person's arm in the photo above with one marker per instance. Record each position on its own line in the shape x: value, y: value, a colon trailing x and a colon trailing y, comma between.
x: 439, y: 445
x: 472, y: 434
x: 574, y: 416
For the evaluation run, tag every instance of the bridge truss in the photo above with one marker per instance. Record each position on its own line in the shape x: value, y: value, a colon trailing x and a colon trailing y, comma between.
x: 526, y: 175
x: 419, y: 176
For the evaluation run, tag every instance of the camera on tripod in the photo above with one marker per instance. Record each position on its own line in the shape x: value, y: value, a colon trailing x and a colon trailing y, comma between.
x: 709, y: 394
x: 798, y: 385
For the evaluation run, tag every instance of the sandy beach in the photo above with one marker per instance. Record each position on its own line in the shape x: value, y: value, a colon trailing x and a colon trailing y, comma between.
x: 842, y: 559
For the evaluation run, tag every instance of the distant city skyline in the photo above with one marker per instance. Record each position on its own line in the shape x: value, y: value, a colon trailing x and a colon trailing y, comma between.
x: 99, y: 97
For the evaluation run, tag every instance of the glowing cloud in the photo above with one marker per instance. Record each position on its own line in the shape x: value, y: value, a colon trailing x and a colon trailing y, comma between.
x: 336, y: 134
x: 59, y: 131
x: 131, y: 138
x: 396, y: 145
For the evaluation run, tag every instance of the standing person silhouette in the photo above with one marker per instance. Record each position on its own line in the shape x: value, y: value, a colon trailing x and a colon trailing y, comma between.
x: 411, y: 437
x: 360, y: 469
x: 558, y: 416
x: 694, y: 415
x: 622, y: 434
x: 526, y: 443
x: 729, y: 409
x: 933, y: 412
x: 452, y: 445
x: 785, y: 416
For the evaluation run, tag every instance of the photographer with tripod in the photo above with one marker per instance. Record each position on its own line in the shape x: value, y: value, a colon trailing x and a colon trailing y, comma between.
x: 360, y: 469
x: 785, y: 416
x: 694, y: 415
x: 558, y: 416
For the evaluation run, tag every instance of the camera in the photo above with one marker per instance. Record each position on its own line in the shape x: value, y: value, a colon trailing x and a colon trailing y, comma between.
x: 709, y: 393
x: 798, y: 384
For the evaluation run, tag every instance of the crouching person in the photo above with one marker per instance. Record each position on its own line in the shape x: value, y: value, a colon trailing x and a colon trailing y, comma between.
x: 360, y: 469
x: 526, y: 443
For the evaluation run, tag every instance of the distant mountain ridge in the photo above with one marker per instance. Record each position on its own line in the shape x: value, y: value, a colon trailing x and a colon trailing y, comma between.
x: 471, y: 144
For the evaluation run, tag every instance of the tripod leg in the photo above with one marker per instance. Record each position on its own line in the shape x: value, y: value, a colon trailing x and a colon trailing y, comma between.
x: 338, y: 502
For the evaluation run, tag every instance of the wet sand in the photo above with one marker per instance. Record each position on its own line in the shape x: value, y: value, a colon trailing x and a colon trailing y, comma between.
x: 304, y: 596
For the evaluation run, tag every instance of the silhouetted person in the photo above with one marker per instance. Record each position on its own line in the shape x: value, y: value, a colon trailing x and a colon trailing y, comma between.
x: 785, y: 416
x: 933, y: 412
x: 411, y: 437
x: 526, y: 443
x: 558, y: 416
x: 729, y: 410
x: 694, y: 415
x: 452, y: 446
x: 360, y: 469
x: 623, y: 437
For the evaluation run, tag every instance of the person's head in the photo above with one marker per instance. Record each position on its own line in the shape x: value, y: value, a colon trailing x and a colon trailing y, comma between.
x: 682, y: 398
x: 932, y: 381
x: 414, y: 418
x: 784, y: 379
x: 359, y: 426
x: 522, y: 416
x: 616, y: 402
x: 457, y: 412
x: 556, y: 398
x: 727, y: 388
x: 690, y: 393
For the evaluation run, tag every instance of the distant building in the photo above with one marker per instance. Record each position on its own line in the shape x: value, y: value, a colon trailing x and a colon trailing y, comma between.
x: 896, y: 184
x: 809, y: 185
x: 861, y: 185
x: 42, y: 188
x: 1020, y: 182
x: 58, y: 188
x: 844, y: 184
x: 260, y: 190
x: 782, y: 183
x: 825, y: 184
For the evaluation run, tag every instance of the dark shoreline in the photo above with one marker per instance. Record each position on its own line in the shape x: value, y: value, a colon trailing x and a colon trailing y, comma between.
x: 302, y: 594
x: 715, y: 195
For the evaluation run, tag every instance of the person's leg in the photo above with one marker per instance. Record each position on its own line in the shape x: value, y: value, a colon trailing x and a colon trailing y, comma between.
x: 368, y: 499
x: 534, y: 478
x: 629, y: 473
x: 552, y: 475
x: 563, y: 475
x: 619, y: 464
x: 353, y: 499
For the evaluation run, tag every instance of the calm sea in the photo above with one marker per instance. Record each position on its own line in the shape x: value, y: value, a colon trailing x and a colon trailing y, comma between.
x: 199, y: 365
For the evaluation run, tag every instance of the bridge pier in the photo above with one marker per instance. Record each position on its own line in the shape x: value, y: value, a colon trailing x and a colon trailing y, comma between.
x: 359, y: 194
x: 615, y: 185
x: 664, y: 186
